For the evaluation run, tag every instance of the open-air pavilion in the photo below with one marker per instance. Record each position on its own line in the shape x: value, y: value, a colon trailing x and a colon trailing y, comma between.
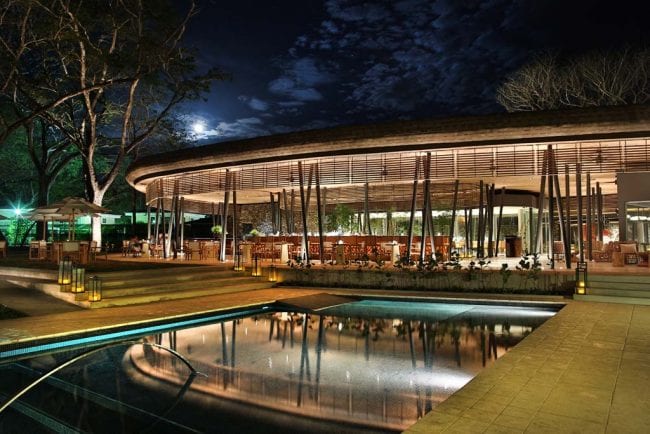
x: 488, y: 184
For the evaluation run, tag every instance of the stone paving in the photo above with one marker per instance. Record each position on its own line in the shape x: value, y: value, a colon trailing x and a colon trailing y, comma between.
x: 585, y: 370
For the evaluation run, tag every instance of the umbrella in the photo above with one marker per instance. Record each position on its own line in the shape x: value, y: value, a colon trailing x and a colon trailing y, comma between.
x: 44, y: 215
x: 71, y: 207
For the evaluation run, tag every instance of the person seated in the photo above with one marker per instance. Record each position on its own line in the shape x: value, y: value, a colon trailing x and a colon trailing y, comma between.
x: 135, y: 246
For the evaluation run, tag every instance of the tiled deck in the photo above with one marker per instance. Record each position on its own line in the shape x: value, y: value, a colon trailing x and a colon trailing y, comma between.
x: 585, y: 370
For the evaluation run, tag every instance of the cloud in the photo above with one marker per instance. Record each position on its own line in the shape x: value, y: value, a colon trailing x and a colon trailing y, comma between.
x: 254, y: 103
x: 299, y: 80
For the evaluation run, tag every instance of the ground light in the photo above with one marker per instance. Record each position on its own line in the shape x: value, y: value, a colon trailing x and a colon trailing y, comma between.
x: 273, y: 275
x: 581, y: 278
x: 65, y: 273
x: 257, y: 267
x: 94, y: 288
x: 78, y: 279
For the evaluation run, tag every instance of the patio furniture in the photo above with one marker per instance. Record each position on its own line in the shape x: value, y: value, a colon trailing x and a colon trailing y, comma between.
x: 629, y: 252
x: 71, y: 249
x: 193, y: 248
x: 96, y: 250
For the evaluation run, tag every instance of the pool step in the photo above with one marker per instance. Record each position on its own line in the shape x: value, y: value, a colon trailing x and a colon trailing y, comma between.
x: 629, y: 289
x: 144, y: 286
x: 108, y: 300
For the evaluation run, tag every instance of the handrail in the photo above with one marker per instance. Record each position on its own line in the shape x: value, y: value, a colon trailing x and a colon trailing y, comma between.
x: 88, y: 353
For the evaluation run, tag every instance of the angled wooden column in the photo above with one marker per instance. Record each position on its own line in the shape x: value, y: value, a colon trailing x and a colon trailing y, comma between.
x: 500, y: 219
x: 454, y: 206
x: 181, y: 220
x: 599, y: 211
x: 468, y: 241
x: 490, y: 221
x: 366, y: 209
x: 319, y: 216
x: 409, y: 238
x: 567, y: 195
x: 425, y: 206
x: 235, y: 217
x: 292, y: 213
x: 480, y: 253
x: 303, y: 208
x: 541, y: 199
x: 224, y: 217
x: 589, y: 217
x: 579, y: 200
x: 274, y: 225
x: 286, y: 211
x: 560, y: 212
x: 551, y: 215
x: 471, y: 233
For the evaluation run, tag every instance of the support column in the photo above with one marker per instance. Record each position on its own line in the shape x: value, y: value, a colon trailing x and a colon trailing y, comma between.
x: 319, y: 216
x: 303, y: 208
x: 499, y: 220
x: 366, y: 210
x: 480, y: 253
x: 579, y: 199
x: 599, y: 210
x: 590, y: 254
x: 453, y: 218
x: 409, y: 239
x: 541, y: 199
x: 224, y: 218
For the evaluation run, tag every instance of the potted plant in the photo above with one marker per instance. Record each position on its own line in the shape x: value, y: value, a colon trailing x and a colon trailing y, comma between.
x: 216, y: 230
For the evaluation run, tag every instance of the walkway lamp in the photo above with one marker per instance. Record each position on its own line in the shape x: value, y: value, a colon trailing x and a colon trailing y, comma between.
x: 78, y: 279
x: 94, y: 288
x: 65, y: 273
x: 581, y: 278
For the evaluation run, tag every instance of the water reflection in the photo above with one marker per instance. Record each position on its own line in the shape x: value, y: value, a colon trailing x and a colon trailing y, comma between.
x: 371, y: 366
x: 377, y: 364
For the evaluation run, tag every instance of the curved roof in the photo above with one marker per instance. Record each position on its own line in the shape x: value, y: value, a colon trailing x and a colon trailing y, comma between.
x: 504, y: 128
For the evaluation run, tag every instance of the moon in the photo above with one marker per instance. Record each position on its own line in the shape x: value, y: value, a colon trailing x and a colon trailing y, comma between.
x: 198, y: 127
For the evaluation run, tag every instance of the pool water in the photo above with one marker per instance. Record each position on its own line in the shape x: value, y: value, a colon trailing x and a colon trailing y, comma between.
x: 365, y: 366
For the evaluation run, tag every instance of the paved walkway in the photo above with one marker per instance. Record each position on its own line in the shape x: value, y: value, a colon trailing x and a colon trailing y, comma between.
x: 585, y: 370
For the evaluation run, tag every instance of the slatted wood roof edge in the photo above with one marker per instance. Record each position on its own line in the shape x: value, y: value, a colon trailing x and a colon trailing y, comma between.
x: 502, y: 128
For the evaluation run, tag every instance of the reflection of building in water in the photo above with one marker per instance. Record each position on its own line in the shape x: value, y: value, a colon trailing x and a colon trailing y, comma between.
x: 381, y: 372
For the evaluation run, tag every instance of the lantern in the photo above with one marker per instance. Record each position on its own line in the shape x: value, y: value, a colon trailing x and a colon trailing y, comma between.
x: 239, y: 265
x: 94, y: 288
x: 581, y: 278
x: 78, y: 279
x: 257, y: 267
x: 65, y: 273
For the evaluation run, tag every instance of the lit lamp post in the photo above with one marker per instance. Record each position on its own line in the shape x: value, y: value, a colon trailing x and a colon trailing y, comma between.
x: 78, y: 279
x: 581, y: 278
x: 65, y: 273
x: 94, y: 288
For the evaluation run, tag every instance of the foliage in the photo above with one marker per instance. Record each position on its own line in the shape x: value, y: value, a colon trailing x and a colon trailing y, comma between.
x: 505, y: 274
x: 109, y: 82
x: 340, y: 219
x: 530, y: 264
x: 216, y: 229
x: 551, y: 81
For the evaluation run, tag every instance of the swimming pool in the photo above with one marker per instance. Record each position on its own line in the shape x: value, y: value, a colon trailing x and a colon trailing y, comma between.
x: 361, y: 366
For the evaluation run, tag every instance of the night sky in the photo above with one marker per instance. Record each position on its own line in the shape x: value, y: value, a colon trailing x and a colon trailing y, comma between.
x: 299, y: 65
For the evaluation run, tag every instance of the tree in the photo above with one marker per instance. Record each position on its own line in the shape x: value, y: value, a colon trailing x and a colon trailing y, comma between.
x: 603, y: 78
x: 123, y: 72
